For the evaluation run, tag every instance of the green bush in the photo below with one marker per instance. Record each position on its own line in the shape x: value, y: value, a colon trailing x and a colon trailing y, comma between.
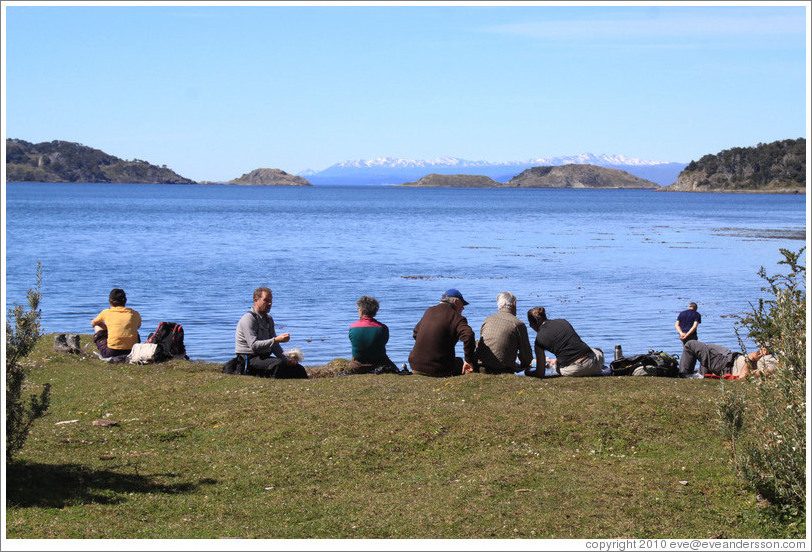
x: 20, y: 340
x: 773, y: 439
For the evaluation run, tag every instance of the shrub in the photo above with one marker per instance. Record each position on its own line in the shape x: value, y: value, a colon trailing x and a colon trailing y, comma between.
x: 773, y: 443
x: 20, y: 340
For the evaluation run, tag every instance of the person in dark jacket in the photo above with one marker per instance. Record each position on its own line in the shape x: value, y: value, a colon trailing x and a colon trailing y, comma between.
x: 436, y: 336
x: 573, y: 357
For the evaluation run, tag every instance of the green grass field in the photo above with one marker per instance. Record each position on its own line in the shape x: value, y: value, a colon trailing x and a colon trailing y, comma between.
x: 198, y: 454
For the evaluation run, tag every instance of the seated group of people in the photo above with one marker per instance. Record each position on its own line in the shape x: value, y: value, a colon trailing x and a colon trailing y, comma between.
x: 503, y: 339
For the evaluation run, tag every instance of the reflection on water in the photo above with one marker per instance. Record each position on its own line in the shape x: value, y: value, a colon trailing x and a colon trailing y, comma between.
x: 618, y: 264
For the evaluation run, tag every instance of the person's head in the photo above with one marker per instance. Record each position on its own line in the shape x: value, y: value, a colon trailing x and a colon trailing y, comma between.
x: 263, y: 299
x: 367, y: 306
x: 692, y: 305
x: 536, y: 317
x: 506, y: 301
x: 117, y: 298
x: 454, y: 298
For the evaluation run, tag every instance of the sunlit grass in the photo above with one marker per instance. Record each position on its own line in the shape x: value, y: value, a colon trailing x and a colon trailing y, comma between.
x: 198, y: 454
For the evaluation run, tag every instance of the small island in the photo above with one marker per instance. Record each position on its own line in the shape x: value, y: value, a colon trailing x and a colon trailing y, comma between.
x: 269, y: 177
x: 455, y: 181
x: 578, y: 176
x: 563, y: 176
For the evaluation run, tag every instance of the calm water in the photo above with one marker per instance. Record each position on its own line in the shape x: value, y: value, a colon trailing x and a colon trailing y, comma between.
x: 618, y: 264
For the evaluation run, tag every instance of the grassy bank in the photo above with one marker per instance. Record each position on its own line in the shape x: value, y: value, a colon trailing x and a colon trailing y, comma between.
x: 198, y: 454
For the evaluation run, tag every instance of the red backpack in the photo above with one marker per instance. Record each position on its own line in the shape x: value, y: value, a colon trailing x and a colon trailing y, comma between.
x: 169, y: 339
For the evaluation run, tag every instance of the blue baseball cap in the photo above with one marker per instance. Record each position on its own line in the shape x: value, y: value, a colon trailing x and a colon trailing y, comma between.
x: 455, y: 293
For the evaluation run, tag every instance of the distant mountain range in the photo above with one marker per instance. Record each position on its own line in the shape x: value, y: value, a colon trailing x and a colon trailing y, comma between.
x: 389, y: 170
x: 777, y: 167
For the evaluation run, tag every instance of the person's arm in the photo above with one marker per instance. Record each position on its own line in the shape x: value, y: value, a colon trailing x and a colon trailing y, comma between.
x: 692, y: 330
x: 679, y: 330
x: 416, y: 330
x: 466, y: 335
x: 98, y: 322
x: 249, y: 325
x: 276, y: 348
x: 541, y: 360
x: 525, y: 352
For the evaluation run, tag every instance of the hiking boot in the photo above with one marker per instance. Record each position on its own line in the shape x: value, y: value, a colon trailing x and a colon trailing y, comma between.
x: 74, y: 343
x: 61, y: 344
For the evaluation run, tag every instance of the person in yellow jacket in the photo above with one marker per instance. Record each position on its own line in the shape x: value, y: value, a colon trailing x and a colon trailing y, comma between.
x: 116, y: 328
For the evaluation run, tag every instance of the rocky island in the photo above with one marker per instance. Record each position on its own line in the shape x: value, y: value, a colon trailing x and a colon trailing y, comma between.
x: 559, y: 176
x: 60, y: 161
x: 269, y: 177
x: 578, y: 176
x: 456, y: 181
x: 777, y: 167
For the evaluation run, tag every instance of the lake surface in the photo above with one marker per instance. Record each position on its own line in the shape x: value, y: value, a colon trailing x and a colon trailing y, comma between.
x: 618, y: 264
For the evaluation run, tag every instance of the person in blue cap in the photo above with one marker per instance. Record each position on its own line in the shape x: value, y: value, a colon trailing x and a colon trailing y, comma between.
x: 436, y: 336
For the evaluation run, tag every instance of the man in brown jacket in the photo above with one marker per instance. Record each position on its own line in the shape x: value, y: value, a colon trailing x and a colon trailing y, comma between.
x: 436, y: 336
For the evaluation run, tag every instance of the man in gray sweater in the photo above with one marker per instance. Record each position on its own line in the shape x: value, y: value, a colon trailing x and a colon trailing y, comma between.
x: 256, y: 340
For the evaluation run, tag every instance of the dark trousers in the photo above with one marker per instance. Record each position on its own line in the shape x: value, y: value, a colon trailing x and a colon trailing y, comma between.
x: 100, y: 339
x: 713, y: 359
x: 272, y: 367
x: 456, y: 370
x: 357, y: 367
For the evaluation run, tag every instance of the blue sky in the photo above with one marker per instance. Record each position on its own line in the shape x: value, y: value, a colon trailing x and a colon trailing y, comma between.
x: 216, y: 91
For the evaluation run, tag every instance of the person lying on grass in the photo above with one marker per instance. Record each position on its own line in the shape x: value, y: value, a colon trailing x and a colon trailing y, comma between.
x: 719, y: 361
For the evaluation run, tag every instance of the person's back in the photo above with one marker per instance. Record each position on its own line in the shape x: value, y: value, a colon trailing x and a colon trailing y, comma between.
x: 116, y: 328
x: 502, y: 336
x: 368, y: 338
x: 559, y: 337
x: 687, y: 324
x: 122, y: 327
x: 436, y: 336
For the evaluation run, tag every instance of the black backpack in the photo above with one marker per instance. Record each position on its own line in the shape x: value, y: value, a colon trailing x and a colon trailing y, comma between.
x: 653, y: 363
x: 235, y: 366
x: 169, y: 339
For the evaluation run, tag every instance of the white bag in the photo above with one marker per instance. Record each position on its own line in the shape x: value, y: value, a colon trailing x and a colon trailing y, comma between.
x: 143, y: 353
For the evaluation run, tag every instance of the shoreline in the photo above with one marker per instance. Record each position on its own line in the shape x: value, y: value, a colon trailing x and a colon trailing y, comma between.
x: 781, y: 191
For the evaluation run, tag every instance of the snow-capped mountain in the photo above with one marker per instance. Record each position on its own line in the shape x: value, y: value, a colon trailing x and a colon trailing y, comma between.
x: 391, y: 170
